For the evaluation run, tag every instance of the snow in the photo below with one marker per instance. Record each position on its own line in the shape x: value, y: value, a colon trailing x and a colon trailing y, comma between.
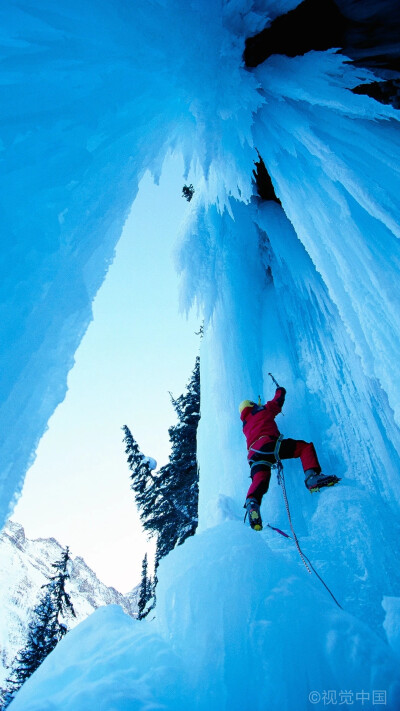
x: 210, y: 645
x: 25, y: 566
x: 121, y: 655
x: 151, y: 463
x: 307, y: 291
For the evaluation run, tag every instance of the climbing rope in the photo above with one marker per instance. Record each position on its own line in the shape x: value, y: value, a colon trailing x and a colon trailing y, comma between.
x: 286, y: 535
x: 281, y: 482
x: 306, y: 561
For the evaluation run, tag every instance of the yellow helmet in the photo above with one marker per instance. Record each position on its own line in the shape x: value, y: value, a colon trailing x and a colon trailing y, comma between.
x: 245, y: 403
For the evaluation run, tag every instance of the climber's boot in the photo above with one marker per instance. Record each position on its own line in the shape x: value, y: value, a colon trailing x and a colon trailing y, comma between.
x: 253, y: 511
x: 315, y: 481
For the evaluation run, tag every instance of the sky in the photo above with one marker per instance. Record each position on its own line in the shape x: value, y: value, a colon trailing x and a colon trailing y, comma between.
x: 137, y: 348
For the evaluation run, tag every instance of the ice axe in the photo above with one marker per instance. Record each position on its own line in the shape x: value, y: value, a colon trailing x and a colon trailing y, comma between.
x: 277, y: 385
x: 271, y: 376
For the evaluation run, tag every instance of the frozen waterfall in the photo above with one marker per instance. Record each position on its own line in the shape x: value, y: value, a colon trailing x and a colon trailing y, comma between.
x: 304, y: 285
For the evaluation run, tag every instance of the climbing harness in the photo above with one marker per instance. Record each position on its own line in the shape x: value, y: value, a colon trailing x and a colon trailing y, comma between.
x: 275, y: 453
x: 286, y: 535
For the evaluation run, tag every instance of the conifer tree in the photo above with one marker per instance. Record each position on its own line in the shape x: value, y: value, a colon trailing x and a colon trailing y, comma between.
x: 6, y: 696
x: 141, y: 477
x: 145, y: 593
x: 60, y: 599
x: 180, y: 476
x: 45, y: 629
x: 168, y: 499
x: 42, y: 639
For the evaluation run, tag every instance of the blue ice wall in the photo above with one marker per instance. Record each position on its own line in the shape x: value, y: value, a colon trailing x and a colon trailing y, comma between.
x: 93, y: 95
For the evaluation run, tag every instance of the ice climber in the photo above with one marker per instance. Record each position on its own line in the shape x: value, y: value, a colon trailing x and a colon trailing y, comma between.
x: 265, y: 444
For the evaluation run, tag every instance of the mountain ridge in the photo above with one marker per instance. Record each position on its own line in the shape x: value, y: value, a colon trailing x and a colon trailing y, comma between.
x: 25, y: 565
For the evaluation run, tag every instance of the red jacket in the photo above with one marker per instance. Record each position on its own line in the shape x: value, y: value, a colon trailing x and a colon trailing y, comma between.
x: 259, y: 424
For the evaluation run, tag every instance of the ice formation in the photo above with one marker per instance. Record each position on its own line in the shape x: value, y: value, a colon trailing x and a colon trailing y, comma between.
x: 307, y: 289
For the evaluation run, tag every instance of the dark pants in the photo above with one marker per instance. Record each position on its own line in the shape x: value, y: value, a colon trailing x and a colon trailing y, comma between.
x: 289, y: 449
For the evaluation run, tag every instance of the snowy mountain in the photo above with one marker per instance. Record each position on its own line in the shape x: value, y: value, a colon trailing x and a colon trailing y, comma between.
x: 24, y: 567
x: 296, y: 273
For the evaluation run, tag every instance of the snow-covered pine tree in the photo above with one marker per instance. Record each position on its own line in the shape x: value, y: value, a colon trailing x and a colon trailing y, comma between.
x: 41, y: 641
x: 175, y: 494
x: 156, y: 511
x: 61, y: 600
x: 45, y: 629
x: 180, y: 477
x: 168, y: 499
x: 142, y: 477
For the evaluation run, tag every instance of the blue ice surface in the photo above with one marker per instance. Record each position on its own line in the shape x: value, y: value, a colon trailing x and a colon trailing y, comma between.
x: 235, y: 620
